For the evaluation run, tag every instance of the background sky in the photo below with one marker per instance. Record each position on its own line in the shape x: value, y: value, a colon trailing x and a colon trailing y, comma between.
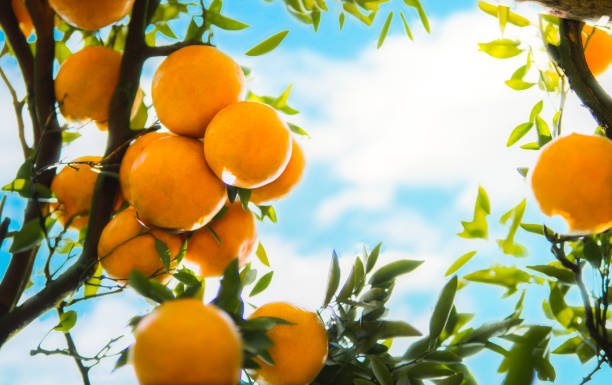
x: 401, y: 138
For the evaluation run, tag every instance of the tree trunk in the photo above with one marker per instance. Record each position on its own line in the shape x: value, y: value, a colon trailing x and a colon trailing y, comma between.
x: 577, y: 9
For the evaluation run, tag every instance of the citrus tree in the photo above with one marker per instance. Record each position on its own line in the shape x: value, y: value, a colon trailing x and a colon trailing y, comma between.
x: 176, y: 197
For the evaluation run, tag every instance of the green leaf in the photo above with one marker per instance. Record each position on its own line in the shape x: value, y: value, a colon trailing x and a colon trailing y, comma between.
x: 563, y: 275
x: 30, y: 235
x: 149, y: 288
x: 262, y: 255
x: 512, y: 18
x: 508, y: 245
x: 518, y: 84
x: 393, y: 329
x: 123, y: 359
x: 536, y: 110
x: 533, y: 228
x: 373, y: 257
x: 164, y: 253
x: 267, y: 211
x: 187, y: 277
x: 385, y: 30
x: 501, y: 48
x: 393, y: 270
x: 518, y: 132
x: 66, y: 322
x: 544, y: 135
x: 139, y: 121
x: 315, y: 15
x: 244, y: 195
x: 381, y: 372
x: 478, y: 227
x: 262, y: 284
x: 24, y: 188
x: 281, y: 101
x: 228, y: 298
x: 62, y: 52
x: 459, y: 263
x: 592, y: 252
x: 531, y: 146
x: 508, y: 277
x: 267, y: 45
x: 93, y: 284
x: 353, y: 10
x: 298, y: 130
x: 223, y: 22
x: 341, y: 20
x: 333, y: 280
x: 193, y: 31
x: 570, y: 346
x: 68, y: 137
x: 406, y: 27
x: 443, y: 308
x: 166, y: 30
x: 417, y: 4
x: 490, y: 330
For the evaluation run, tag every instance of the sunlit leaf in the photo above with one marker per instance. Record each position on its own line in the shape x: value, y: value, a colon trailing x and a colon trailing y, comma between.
x: 501, y: 48
x: 66, y: 322
x: 267, y: 45
x: 459, y: 263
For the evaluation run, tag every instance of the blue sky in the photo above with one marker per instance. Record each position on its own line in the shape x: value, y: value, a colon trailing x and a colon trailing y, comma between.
x: 401, y: 138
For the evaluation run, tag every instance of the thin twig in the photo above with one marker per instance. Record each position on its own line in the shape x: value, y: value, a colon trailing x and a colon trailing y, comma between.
x: 73, y: 351
x: 18, y: 106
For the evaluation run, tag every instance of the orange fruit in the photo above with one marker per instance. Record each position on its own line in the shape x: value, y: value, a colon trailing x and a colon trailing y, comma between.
x: 237, y: 236
x: 86, y: 82
x: 598, y: 50
x: 184, y: 342
x: 125, y: 245
x: 247, y: 145
x: 281, y: 186
x: 74, y: 186
x: 91, y: 14
x: 133, y: 151
x: 573, y: 178
x: 299, y: 350
x: 23, y: 17
x: 172, y: 187
x: 192, y: 85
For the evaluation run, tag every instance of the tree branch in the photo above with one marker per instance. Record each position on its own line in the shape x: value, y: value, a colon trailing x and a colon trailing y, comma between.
x: 106, y: 187
x: 47, y: 141
x: 569, y: 55
x: 74, y: 353
x: 18, y: 106
x: 166, y: 50
x: 14, y: 36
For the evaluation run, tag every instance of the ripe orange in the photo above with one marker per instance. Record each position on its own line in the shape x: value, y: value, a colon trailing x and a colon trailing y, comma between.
x: 184, y: 342
x: 133, y: 151
x: 86, y: 82
x: 91, y: 14
x: 281, y: 186
x: 299, y: 350
x: 192, y: 85
x: 74, y: 186
x: 23, y: 17
x: 247, y: 145
x: 125, y: 245
x: 573, y: 178
x: 172, y: 187
x: 598, y: 51
x: 237, y: 236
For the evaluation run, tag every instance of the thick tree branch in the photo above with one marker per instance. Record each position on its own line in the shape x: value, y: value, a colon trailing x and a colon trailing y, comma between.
x: 14, y: 36
x: 47, y: 144
x: 569, y: 55
x: 106, y: 186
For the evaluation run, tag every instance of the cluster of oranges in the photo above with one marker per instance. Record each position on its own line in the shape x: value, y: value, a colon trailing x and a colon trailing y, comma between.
x: 174, y: 187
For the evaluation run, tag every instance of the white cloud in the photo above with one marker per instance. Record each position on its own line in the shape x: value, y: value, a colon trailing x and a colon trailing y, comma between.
x: 430, y: 113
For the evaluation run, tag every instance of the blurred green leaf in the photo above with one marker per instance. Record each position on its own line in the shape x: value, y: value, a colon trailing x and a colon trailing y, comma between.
x: 333, y: 280
x: 223, y: 22
x: 478, y: 227
x: 508, y: 277
x: 29, y: 236
x: 501, y: 48
x: 93, y: 284
x: 267, y: 45
x: 262, y: 284
x: 66, y: 321
x: 373, y: 257
x: 562, y: 274
x: 459, y: 263
x: 393, y: 270
x: 385, y: 30
x: 262, y: 255
x: 164, y: 253
x: 443, y: 308
x: 381, y: 372
x: 417, y: 5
